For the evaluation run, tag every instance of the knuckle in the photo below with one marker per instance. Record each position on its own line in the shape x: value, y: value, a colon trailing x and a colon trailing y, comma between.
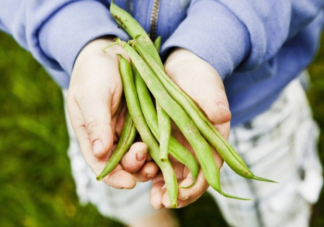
x: 227, y: 116
x: 91, y: 126
x: 129, y: 165
x: 95, y: 129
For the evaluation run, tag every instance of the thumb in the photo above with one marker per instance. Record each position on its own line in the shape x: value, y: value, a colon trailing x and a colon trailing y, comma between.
x: 213, y: 101
x: 96, y: 89
x: 96, y: 112
x: 201, y: 82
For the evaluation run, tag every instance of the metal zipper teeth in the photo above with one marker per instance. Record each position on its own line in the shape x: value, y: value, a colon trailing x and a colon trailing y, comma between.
x: 154, y: 18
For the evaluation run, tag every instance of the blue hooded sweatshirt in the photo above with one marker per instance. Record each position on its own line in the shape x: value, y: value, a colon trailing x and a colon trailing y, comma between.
x: 257, y: 46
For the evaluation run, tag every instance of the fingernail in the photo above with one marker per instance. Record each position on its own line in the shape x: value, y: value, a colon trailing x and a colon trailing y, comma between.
x: 222, y: 106
x: 140, y: 156
x: 184, y: 198
x: 97, y: 147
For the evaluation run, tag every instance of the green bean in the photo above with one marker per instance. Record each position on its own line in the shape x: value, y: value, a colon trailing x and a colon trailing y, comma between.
x: 206, y: 128
x: 131, y: 26
x: 164, y: 120
x: 233, y: 159
x: 176, y: 149
x: 144, y: 131
x: 126, y: 139
x: 134, y: 29
x: 182, y: 120
x: 164, y: 123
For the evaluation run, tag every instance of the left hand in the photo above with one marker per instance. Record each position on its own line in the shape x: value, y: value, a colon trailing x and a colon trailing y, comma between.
x: 97, y: 115
x: 204, y: 85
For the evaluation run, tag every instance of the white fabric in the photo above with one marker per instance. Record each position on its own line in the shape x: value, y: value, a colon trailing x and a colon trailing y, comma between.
x: 279, y: 144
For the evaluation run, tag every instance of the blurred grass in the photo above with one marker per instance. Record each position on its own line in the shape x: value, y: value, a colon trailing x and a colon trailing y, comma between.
x: 36, y: 187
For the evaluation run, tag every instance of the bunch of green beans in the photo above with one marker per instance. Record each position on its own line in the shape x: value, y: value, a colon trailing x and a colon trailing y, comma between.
x: 154, y: 125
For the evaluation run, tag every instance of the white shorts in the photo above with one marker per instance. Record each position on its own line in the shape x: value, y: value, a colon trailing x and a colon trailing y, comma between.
x: 279, y: 144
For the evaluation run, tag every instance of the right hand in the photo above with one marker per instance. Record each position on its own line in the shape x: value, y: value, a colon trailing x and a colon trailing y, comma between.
x: 204, y: 85
x: 97, y: 115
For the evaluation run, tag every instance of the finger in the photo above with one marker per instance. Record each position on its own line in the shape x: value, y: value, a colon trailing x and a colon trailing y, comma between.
x: 135, y: 158
x: 79, y: 129
x: 215, y: 106
x: 188, y: 195
x: 202, y: 83
x: 184, y: 203
x: 208, y: 94
x: 97, y: 93
x: 118, y: 178
x: 139, y: 139
x: 148, y: 172
x: 120, y: 119
x: 157, y: 192
x: 196, y: 190
x: 96, y: 114
x: 191, y: 194
x: 76, y: 118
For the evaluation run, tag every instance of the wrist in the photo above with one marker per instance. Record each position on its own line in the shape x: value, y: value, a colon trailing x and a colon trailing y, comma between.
x: 68, y: 28
x: 180, y: 55
x: 95, y: 48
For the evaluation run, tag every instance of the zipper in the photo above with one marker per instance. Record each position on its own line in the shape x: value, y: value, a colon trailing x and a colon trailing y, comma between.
x: 154, y: 18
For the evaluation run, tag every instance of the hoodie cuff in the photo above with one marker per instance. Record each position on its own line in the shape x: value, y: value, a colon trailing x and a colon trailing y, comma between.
x: 66, y: 32
x: 214, y: 34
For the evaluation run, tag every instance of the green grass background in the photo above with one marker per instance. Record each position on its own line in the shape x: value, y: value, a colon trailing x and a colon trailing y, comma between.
x: 36, y: 187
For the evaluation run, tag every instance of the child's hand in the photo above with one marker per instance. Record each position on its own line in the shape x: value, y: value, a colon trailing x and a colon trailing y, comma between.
x: 97, y: 115
x: 204, y: 85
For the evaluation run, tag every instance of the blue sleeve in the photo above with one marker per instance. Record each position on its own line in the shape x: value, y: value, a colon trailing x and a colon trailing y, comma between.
x: 54, y: 31
x: 241, y: 35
